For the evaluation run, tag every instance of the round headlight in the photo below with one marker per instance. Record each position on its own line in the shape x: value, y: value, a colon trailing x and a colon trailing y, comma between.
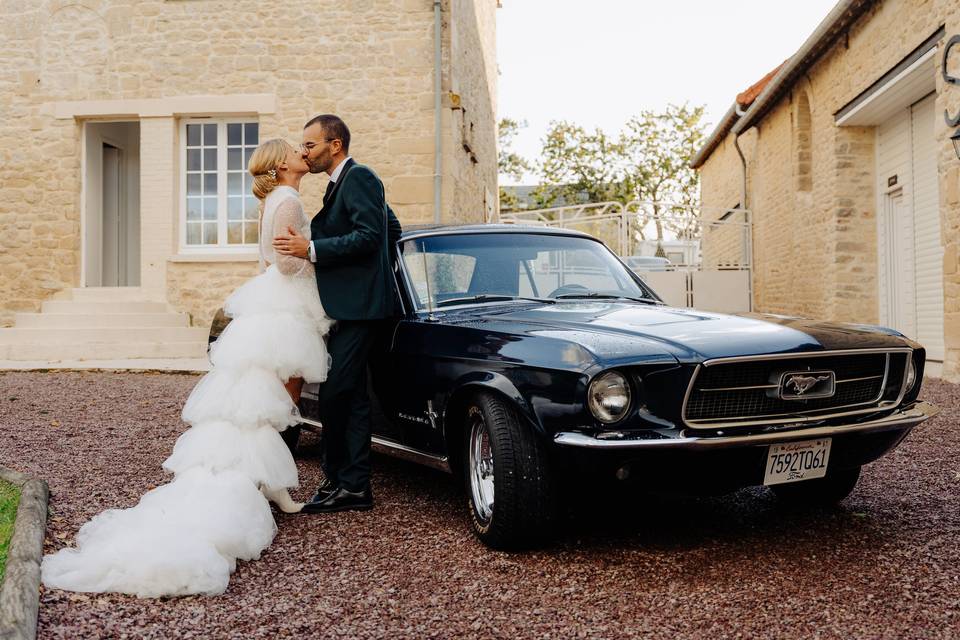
x: 911, y: 373
x: 609, y: 397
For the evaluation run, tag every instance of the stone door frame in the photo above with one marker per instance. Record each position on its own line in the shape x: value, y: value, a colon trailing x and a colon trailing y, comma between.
x: 91, y: 269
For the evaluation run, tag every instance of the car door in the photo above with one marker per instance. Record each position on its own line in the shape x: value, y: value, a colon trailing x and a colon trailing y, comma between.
x: 381, y: 385
x: 406, y: 379
x: 419, y: 382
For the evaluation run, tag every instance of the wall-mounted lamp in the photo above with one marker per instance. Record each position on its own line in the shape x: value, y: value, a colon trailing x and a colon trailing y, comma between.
x: 955, y: 139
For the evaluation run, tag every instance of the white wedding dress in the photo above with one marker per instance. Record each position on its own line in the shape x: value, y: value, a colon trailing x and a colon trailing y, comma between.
x: 186, y: 536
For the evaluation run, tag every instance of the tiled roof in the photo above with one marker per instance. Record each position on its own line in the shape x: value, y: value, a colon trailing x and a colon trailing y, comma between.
x: 743, y: 102
x: 745, y: 98
x: 752, y: 104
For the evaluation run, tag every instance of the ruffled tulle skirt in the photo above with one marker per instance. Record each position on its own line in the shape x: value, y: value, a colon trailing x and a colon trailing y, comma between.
x: 185, y: 537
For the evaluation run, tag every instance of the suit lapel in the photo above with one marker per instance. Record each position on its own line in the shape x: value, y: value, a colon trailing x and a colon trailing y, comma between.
x: 336, y: 185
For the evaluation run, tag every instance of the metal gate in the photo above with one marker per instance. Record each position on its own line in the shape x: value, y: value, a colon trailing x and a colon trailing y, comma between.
x: 692, y: 256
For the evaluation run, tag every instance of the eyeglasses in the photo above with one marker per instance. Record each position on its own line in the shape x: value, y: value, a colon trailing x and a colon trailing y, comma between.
x: 310, y: 146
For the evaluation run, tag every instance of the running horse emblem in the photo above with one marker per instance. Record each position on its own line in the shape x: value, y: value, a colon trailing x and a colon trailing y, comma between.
x: 802, y: 384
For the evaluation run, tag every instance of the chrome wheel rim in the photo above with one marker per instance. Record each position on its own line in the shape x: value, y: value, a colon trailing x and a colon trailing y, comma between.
x: 481, y: 467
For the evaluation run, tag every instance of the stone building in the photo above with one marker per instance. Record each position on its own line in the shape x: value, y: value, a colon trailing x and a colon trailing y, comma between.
x: 125, y: 208
x: 850, y: 175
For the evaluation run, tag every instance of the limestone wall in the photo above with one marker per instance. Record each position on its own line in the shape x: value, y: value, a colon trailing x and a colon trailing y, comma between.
x: 472, y: 128
x: 721, y: 186
x: 815, y: 245
x: 948, y: 99
x: 370, y: 61
x: 199, y: 287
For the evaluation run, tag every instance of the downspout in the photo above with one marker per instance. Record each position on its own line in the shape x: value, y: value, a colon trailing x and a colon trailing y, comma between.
x: 748, y: 245
x: 437, y: 105
x: 743, y: 161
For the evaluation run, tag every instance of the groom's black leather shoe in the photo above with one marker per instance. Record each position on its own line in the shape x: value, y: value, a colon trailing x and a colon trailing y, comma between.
x: 342, y: 500
x: 324, y: 490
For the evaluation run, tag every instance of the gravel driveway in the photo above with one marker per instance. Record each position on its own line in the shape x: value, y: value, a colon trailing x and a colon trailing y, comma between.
x: 886, y: 564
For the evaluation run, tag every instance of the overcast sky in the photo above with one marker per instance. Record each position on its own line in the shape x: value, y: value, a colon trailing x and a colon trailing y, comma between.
x: 597, y: 63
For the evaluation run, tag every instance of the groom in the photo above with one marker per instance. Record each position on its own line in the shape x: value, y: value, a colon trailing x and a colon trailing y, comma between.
x: 351, y: 246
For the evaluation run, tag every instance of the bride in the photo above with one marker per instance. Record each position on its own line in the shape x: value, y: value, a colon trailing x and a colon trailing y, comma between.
x: 186, y: 536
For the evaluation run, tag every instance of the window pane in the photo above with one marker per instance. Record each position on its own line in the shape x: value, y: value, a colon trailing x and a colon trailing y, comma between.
x: 209, y: 184
x: 210, y: 208
x: 193, y: 233
x: 209, y: 233
x: 210, y: 159
x: 193, y: 206
x: 234, y: 208
x: 235, y: 184
x: 253, y: 208
x: 209, y: 135
x: 251, y: 134
x: 234, y: 233
x: 526, y: 285
x: 205, y: 213
x: 234, y: 133
x: 193, y: 135
x: 450, y: 266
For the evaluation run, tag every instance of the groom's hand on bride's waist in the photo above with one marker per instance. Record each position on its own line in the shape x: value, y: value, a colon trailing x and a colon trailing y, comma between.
x: 291, y: 244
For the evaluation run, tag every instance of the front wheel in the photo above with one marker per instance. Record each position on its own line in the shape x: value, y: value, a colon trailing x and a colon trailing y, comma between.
x: 510, y: 491
x: 825, y: 491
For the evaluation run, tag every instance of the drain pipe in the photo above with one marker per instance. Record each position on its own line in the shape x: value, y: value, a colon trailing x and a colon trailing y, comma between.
x: 437, y: 105
x: 743, y: 161
x: 748, y: 245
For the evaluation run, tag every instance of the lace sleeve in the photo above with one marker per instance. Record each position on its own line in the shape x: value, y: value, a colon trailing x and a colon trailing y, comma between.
x: 289, y: 213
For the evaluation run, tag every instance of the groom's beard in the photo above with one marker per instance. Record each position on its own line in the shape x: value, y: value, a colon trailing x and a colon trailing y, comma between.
x: 316, y: 166
x: 320, y: 164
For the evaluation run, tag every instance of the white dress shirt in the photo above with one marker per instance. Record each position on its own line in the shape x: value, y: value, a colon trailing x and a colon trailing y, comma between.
x: 333, y: 178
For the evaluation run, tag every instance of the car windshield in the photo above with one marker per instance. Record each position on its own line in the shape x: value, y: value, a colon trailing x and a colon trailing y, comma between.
x: 478, y: 268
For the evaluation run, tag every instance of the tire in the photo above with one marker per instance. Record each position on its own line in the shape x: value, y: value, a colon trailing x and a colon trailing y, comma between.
x: 524, y: 511
x: 826, y: 491
x: 291, y: 436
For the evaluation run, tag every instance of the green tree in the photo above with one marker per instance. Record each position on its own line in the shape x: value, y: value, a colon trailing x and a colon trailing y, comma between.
x: 509, y: 163
x: 649, y: 161
x: 579, y: 166
x: 657, y: 150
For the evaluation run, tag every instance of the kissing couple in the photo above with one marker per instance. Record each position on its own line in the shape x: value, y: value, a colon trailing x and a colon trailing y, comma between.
x: 310, y: 315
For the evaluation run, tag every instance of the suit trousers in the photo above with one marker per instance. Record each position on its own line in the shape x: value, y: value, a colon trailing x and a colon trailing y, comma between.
x: 345, y: 405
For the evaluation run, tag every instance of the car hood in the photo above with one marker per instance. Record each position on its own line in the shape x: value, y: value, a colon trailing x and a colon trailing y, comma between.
x: 617, y: 328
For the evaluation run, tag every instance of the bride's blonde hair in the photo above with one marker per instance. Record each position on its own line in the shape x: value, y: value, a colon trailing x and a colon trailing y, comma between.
x: 263, y: 165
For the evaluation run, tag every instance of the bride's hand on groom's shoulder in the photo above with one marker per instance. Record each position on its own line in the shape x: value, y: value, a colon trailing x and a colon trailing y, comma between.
x: 291, y: 243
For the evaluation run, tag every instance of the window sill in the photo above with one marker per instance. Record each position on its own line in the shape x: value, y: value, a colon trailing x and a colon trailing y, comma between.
x: 214, y: 257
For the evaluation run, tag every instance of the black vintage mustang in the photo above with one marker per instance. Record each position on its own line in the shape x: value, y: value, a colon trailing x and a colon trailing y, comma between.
x: 526, y: 356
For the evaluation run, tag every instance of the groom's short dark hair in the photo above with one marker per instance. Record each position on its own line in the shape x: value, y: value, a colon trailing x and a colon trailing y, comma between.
x: 333, y: 128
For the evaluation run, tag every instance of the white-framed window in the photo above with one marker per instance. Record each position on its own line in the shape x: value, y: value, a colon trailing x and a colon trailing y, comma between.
x: 217, y: 207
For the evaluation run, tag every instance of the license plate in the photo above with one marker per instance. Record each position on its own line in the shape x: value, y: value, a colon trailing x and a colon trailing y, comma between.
x: 796, y: 461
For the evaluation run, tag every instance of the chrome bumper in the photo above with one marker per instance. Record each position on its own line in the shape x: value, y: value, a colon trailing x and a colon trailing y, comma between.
x: 909, y: 416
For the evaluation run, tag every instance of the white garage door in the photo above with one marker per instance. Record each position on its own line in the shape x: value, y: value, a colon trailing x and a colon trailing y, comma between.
x: 910, y: 251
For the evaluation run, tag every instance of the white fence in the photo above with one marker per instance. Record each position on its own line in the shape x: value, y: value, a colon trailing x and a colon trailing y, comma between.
x: 692, y: 256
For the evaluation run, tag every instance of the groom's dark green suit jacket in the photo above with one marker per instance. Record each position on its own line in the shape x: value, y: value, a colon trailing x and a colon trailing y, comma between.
x: 354, y: 236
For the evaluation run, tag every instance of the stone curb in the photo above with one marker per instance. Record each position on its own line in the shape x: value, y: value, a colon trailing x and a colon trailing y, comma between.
x: 20, y: 593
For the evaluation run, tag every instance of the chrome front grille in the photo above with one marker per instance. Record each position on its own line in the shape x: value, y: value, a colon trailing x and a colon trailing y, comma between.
x: 730, y: 392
